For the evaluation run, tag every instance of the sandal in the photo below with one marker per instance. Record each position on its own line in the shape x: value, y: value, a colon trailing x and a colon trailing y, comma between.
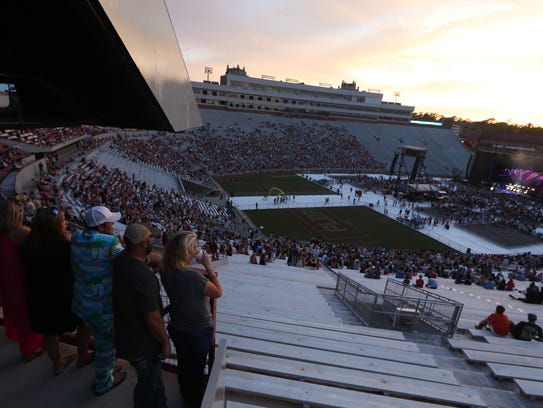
x: 67, y: 361
x: 118, y: 377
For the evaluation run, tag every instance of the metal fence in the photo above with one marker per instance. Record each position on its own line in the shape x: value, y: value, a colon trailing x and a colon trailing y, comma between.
x: 400, y: 307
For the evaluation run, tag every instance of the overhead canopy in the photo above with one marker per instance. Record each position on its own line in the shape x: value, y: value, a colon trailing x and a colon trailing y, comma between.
x: 109, y: 62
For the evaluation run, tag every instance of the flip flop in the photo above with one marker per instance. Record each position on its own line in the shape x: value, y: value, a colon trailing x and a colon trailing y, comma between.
x: 118, y: 378
x: 90, y: 359
x: 69, y: 359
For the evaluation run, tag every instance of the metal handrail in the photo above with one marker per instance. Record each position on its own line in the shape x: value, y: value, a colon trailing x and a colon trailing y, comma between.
x: 408, y: 309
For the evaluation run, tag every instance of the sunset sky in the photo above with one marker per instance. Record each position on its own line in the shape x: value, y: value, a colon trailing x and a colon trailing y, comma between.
x: 475, y: 59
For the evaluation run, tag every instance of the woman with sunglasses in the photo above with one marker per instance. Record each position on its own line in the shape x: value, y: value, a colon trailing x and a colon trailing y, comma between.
x: 12, y: 280
x: 46, y: 254
x: 191, y: 323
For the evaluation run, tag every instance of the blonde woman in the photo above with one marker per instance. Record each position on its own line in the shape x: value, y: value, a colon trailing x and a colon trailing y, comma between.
x: 13, y: 280
x: 191, y: 323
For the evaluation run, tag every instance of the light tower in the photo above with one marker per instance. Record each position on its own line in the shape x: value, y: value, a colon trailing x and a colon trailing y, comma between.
x: 208, y: 70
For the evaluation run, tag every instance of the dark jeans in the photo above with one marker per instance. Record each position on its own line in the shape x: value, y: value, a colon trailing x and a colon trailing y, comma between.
x: 149, y: 390
x: 192, y: 347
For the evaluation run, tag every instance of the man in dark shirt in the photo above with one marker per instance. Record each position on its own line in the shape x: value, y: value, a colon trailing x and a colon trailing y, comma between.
x: 528, y: 330
x: 140, y: 335
x: 532, y: 294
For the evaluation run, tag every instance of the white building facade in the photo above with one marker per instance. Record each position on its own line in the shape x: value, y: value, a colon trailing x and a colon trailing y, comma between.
x: 238, y: 91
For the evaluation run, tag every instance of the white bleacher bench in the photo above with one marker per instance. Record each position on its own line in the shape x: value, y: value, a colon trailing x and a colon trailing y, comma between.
x: 511, y: 371
x: 368, y: 339
x: 332, y: 358
x: 311, y: 394
x: 530, y: 388
x: 365, y: 346
x: 512, y: 348
x: 362, y: 330
x: 508, y: 341
x: 354, y: 379
x: 489, y: 357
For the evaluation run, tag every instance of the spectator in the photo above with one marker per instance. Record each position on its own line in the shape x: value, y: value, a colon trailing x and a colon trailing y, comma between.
x: 49, y: 283
x: 140, y: 336
x: 419, y: 283
x: 498, y: 322
x: 13, y: 281
x: 510, y: 285
x: 93, y: 251
x: 531, y: 294
x: 432, y: 283
x: 528, y: 330
x: 191, y: 324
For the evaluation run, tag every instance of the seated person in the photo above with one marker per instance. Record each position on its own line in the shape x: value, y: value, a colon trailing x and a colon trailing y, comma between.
x: 510, y: 285
x: 498, y: 323
x: 528, y: 330
x: 252, y: 259
x: 419, y: 283
x: 501, y: 285
x: 432, y: 283
x: 489, y: 284
x: 531, y: 294
x: 407, y: 280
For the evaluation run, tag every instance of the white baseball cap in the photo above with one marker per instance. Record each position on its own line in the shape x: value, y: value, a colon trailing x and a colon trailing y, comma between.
x: 99, y: 215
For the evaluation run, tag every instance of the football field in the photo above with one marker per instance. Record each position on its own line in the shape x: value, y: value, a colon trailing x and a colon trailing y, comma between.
x: 352, y: 225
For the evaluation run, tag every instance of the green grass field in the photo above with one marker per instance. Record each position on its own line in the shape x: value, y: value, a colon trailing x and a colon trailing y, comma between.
x: 354, y: 225
x: 261, y: 185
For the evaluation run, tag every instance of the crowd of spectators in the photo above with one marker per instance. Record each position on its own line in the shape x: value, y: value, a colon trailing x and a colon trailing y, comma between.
x: 270, y: 146
x: 234, y: 150
x: 45, y: 137
x: 400, y: 263
x: 468, y: 204
x: 139, y: 202
x: 11, y: 159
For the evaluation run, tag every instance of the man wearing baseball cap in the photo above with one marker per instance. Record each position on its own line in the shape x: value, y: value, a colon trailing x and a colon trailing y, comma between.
x: 528, y: 330
x: 93, y: 251
x: 140, y: 335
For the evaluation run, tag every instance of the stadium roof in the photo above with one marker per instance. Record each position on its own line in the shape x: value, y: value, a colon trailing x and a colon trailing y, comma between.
x: 109, y: 63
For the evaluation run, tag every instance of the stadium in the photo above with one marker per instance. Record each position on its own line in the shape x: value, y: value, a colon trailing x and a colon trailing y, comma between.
x: 337, y: 193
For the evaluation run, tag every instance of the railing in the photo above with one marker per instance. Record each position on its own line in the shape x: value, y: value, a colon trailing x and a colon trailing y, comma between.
x: 215, y: 394
x: 400, y: 307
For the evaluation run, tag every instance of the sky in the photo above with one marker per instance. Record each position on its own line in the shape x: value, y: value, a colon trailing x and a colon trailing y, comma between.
x: 474, y: 59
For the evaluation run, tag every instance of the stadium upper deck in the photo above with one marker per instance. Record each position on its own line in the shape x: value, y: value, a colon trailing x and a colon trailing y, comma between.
x: 238, y: 91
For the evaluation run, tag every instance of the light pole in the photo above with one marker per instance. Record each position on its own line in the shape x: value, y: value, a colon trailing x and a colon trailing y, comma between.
x: 208, y: 70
